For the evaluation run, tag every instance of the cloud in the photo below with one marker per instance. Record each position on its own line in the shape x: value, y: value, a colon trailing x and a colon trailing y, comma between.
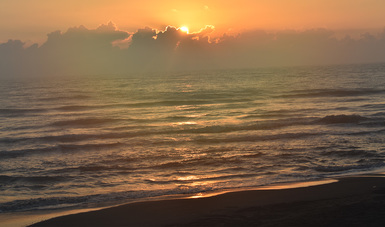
x: 76, y: 51
x: 94, y: 51
x: 14, y: 57
x: 290, y: 48
x: 169, y: 39
x: 165, y: 50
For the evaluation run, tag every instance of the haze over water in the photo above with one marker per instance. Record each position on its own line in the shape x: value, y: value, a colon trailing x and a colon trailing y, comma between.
x: 70, y: 142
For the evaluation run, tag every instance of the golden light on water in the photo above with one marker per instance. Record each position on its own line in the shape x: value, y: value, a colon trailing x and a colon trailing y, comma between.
x: 188, y: 178
x: 186, y: 123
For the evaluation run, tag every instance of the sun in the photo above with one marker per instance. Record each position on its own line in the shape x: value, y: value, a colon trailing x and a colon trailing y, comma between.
x: 184, y: 29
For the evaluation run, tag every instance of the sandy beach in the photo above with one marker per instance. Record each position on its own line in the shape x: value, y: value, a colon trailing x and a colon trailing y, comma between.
x: 350, y: 201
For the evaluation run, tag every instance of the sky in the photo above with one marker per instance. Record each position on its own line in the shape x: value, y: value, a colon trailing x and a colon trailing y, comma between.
x: 122, y: 36
x: 32, y: 20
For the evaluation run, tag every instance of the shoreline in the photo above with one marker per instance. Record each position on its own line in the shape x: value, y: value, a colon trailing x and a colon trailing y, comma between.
x: 247, y: 207
x: 27, y: 218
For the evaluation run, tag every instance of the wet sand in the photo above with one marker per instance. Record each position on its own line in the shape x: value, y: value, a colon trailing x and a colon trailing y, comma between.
x: 350, y: 201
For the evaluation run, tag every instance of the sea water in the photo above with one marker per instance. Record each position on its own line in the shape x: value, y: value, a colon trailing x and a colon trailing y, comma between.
x: 85, y: 140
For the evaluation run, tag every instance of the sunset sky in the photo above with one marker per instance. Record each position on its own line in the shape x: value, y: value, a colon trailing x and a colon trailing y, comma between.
x: 101, y: 36
x: 32, y: 20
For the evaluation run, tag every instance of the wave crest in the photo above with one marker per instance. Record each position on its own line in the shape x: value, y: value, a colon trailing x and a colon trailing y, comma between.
x: 342, y: 119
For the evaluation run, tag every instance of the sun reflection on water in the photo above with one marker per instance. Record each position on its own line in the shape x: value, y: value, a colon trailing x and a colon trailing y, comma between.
x: 188, y: 178
x: 186, y: 123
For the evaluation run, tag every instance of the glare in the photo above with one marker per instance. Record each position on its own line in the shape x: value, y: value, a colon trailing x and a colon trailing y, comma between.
x: 184, y: 29
x: 186, y: 123
x: 188, y: 178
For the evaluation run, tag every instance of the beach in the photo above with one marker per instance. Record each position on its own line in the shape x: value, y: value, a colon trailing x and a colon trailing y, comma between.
x: 350, y: 201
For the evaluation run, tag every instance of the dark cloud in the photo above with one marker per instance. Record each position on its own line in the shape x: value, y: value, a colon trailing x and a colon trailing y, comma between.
x: 166, y: 50
x: 15, y: 58
x: 80, y: 50
x: 309, y: 47
x: 92, y: 51
x: 76, y: 51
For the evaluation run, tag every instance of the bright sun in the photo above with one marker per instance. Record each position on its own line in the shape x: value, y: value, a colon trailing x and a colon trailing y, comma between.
x: 184, y: 29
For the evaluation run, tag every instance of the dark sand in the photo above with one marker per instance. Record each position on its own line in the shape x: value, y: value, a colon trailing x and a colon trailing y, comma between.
x: 352, y: 201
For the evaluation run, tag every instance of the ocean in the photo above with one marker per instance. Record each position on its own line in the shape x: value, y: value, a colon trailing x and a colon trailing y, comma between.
x: 83, y: 141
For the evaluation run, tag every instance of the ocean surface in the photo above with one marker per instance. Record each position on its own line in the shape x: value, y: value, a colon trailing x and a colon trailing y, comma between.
x: 87, y: 140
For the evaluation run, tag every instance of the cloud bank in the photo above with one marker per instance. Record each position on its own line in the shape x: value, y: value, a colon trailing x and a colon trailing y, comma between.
x: 107, y: 50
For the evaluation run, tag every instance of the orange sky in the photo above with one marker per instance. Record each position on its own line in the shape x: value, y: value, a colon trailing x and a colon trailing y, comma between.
x: 32, y: 20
